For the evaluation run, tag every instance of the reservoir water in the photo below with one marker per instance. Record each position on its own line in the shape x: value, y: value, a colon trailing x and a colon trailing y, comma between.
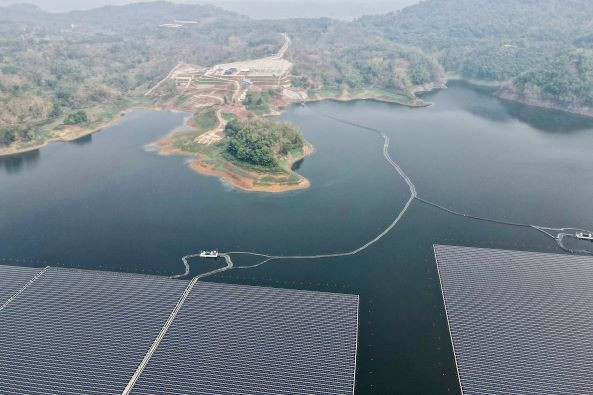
x: 109, y: 202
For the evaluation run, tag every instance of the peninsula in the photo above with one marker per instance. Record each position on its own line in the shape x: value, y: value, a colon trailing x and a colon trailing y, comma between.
x: 230, y: 137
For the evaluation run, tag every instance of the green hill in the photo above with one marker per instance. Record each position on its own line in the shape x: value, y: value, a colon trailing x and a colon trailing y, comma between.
x: 565, y: 83
x: 537, y: 50
x: 489, y: 40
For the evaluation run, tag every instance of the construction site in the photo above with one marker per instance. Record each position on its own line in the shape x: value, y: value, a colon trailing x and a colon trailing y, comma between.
x: 224, y: 87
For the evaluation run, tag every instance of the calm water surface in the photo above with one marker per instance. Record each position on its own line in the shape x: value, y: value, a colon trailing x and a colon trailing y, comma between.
x: 107, y: 202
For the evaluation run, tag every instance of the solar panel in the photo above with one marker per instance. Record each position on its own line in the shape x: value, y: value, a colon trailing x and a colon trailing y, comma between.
x: 13, y: 278
x: 235, y: 339
x: 520, y: 322
x: 75, y: 331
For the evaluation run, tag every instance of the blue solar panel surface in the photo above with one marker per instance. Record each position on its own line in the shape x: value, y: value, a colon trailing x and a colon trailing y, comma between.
x: 81, y: 332
x: 520, y: 322
x: 230, y: 339
x: 13, y: 278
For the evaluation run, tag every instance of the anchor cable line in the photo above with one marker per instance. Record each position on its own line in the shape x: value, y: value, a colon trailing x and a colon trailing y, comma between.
x: 559, y: 237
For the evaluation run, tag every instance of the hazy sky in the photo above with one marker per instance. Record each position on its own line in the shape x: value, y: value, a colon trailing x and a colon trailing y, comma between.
x: 343, y: 9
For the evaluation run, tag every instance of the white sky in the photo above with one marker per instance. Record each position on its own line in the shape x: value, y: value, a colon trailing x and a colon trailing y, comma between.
x: 343, y: 9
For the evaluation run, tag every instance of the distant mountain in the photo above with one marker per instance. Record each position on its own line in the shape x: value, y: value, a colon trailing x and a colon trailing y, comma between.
x: 148, y: 13
x: 18, y: 13
x: 25, y: 7
x: 115, y: 18
x: 564, y: 82
x: 459, y: 30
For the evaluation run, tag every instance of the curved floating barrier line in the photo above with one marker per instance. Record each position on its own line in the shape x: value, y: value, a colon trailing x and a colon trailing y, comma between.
x: 413, y: 196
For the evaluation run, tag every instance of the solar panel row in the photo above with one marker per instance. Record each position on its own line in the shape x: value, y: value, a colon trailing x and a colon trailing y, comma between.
x: 236, y: 339
x: 75, y: 331
x: 81, y: 332
x: 520, y: 322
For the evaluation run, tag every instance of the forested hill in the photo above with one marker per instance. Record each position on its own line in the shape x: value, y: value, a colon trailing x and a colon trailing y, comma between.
x: 565, y: 82
x: 53, y: 65
x: 498, y: 40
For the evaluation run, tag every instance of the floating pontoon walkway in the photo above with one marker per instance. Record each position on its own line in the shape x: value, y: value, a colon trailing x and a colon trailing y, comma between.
x: 520, y: 322
x: 13, y: 279
x: 75, y: 331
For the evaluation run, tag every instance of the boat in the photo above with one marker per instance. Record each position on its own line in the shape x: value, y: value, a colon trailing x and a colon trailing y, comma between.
x: 585, y: 236
x: 209, y: 254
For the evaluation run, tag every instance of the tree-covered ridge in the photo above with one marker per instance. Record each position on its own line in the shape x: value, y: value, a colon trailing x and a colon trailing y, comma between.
x: 260, y: 142
x: 489, y: 40
x: 52, y: 65
x: 344, y: 57
x: 566, y: 80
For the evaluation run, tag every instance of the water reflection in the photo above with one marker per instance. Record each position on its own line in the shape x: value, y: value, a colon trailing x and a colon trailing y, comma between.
x: 297, y: 165
x: 483, y: 102
x: 14, y: 163
x: 83, y: 140
x: 551, y: 121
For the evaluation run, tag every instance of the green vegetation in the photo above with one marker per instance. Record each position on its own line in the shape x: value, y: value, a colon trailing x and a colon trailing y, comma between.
x: 206, y: 121
x: 259, y: 102
x: 77, y: 118
x: 227, y: 116
x: 9, y: 69
x: 490, y: 40
x: 566, y: 80
x: 50, y: 68
x: 500, y: 63
x: 539, y: 46
x: 345, y: 59
x: 260, y: 143
x: 9, y: 135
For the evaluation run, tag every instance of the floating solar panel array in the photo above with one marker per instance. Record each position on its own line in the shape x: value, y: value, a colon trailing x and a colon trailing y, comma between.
x: 74, y: 331
x: 13, y: 278
x: 230, y: 339
x: 520, y: 322
x: 81, y: 332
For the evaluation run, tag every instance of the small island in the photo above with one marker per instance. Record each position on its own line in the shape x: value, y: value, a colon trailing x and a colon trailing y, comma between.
x: 253, y: 154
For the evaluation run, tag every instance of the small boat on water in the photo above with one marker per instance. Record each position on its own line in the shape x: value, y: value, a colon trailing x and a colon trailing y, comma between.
x: 585, y: 236
x: 209, y: 254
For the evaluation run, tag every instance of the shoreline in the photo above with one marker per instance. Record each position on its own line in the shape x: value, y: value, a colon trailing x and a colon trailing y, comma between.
x: 69, y: 133
x: 497, y: 88
x: 248, y: 180
x: 419, y: 103
x: 233, y: 174
x: 278, y: 110
x: 74, y: 132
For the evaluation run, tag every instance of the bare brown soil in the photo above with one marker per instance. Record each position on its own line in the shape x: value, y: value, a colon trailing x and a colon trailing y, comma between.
x: 246, y: 183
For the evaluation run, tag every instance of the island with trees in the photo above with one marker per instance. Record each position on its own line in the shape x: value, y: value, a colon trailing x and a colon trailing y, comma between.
x: 255, y: 154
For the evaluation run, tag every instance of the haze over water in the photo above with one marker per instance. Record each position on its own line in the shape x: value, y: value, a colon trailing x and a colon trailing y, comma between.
x: 106, y: 202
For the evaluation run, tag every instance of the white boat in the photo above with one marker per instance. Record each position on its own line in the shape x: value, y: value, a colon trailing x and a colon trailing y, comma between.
x: 585, y: 236
x: 209, y: 254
